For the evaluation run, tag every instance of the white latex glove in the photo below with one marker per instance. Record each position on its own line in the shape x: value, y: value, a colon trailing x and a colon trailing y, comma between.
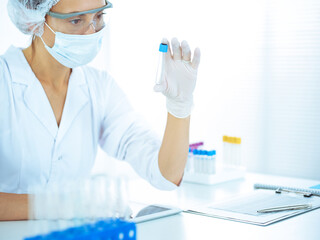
x: 179, y: 78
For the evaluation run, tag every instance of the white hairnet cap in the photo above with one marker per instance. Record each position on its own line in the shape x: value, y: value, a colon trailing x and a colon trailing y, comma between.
x: 29, y: 15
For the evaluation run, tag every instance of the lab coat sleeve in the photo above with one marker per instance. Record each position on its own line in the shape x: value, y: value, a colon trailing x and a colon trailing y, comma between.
x: 126, y: 136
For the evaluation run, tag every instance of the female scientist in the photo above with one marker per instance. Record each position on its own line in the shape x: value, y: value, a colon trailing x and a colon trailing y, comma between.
x: 55, y: 110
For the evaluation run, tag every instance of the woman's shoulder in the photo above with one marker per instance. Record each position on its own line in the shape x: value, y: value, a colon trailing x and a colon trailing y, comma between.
x: 11, y: 53
x: 3, y: 71
x: 13, y: 66
x: 5, y: 83
x: 3, y: 65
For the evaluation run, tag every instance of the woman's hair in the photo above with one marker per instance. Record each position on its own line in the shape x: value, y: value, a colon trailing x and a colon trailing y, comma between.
x: 29, y: 15
x: 31, y: 4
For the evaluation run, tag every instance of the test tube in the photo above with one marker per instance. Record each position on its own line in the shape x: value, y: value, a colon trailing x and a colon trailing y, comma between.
x: 205, y: 162
x: 195, y: 161
x: 160, y: 70
x: 36, y: 203
x: 190, y: 165
x: 231, y: 152
x: 212, y: 162
x: 202, y: 161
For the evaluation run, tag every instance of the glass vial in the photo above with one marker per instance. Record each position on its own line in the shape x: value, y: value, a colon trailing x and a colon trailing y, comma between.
x: 160, y: 71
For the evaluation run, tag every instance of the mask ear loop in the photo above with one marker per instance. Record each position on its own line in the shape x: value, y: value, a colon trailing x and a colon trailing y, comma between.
x: 51, y: 31
x: 50, y: 28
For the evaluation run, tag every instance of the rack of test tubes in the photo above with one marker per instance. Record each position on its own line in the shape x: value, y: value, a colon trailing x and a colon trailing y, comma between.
x: 107, y: 229
x: 94, y: 208
x: 204, y: 168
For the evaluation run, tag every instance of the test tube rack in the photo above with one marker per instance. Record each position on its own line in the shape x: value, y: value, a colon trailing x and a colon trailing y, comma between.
x: 202, y: 167
x: 108, y: 229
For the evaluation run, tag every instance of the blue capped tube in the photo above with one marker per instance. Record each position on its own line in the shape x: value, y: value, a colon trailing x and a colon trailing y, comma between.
x: 160, y: 70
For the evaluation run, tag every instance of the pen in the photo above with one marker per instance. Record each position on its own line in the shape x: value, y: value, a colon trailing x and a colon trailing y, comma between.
x: 284, y: 208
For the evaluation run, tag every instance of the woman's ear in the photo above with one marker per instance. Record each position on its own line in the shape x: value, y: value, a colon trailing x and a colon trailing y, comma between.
x: 35, y: 29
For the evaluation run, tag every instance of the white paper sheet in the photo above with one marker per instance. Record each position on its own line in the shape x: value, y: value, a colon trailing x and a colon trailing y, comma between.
x: 244, y: 208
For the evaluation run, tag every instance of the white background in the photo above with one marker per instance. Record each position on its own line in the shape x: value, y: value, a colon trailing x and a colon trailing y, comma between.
x: 259, y: 76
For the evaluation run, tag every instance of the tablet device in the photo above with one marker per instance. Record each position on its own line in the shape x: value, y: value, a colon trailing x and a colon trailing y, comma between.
x: 143, y: 212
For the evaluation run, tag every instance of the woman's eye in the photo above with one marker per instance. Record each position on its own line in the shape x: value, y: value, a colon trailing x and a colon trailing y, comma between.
x: 75, y: 21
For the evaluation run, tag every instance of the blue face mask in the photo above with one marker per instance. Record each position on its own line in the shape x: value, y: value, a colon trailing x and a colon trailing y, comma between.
x: 75, y: 50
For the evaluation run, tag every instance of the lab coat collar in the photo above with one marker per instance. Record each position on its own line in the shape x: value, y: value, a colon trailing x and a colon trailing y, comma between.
x: 20, y: 69
x: 36, y: 99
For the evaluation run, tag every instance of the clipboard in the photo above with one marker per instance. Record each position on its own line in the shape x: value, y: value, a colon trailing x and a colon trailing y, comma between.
x: 243, y: 208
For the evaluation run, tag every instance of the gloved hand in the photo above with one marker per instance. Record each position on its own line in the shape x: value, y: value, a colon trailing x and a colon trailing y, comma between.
x: 179, y: 78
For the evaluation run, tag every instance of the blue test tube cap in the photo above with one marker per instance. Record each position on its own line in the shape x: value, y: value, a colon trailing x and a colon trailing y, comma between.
x: 198, y: 152
x: 204, y: 152
x: 211, y: 153
x: 163, y: 47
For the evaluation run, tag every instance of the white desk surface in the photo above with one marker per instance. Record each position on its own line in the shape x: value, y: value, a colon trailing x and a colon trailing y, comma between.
x: 188, y: 226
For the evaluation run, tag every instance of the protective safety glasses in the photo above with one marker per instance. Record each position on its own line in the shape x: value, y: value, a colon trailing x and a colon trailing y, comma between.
x: 79, y: 22
x: 70, y: 15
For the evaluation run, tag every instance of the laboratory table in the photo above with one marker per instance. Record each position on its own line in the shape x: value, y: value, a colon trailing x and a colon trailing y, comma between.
x: 188, y: 226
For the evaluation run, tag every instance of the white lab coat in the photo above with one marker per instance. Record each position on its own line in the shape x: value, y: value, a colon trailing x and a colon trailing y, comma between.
x: 33, y: 150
